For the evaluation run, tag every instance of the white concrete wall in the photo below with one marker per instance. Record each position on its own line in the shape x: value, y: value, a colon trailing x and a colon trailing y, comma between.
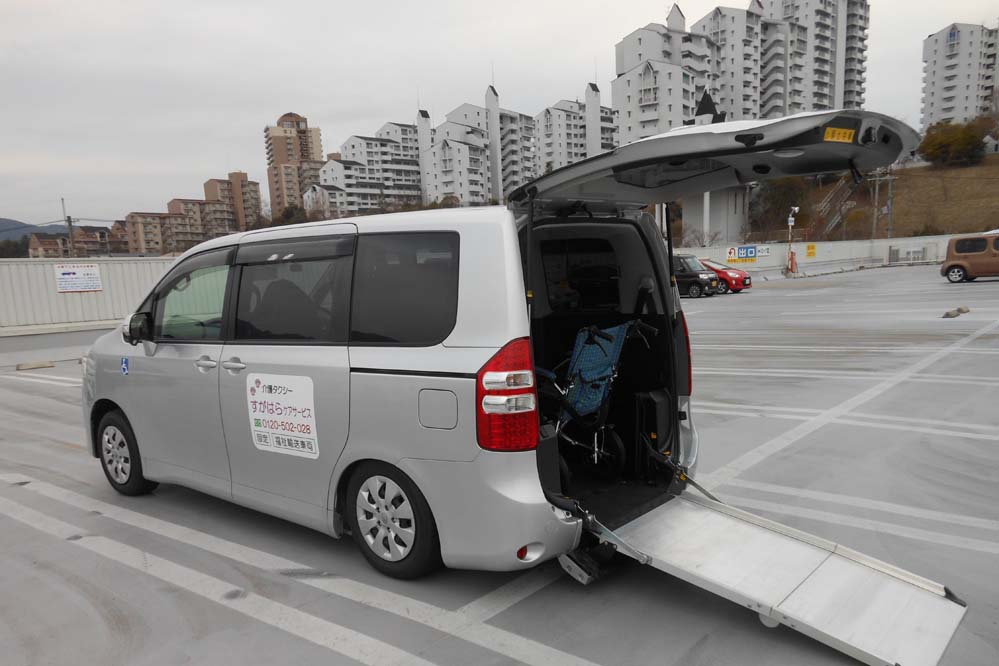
x: 28, y: 295
x: 831, y: 256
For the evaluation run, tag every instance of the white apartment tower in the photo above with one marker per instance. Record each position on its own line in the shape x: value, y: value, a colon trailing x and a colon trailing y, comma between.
x: 835, y: 54
x: 369, y: 174
x: 662, y: 71
x: 773, y: 58
x: 959, y: 70
x: 478, y: 155
x: 570, y: 131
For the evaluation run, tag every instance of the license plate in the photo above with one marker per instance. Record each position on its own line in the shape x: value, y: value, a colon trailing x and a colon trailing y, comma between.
x: 839, y: 135
x: 714, y: 283
x: 749, y: 281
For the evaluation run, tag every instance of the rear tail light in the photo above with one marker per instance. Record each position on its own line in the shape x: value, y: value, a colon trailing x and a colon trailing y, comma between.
x: 506, y: 401
x: 690, y: 359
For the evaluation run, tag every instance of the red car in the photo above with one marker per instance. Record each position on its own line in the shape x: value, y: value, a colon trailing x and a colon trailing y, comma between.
x: 730, y: 279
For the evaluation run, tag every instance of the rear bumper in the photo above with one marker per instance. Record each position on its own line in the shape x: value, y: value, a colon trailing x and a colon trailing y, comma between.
x: 488, y: 508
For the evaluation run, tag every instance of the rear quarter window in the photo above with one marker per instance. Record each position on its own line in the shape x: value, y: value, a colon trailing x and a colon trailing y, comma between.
x: 970, y: 245
x: 405, y: 289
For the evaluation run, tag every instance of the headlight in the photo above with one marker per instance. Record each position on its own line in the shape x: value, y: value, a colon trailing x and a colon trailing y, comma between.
x: 732, y: 274
x: 707, y: 276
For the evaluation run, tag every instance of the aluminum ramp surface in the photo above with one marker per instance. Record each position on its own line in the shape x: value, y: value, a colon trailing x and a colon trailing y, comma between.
x: 872, y: 611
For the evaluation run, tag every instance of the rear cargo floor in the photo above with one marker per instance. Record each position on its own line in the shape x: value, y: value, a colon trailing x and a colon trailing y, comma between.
x: 616, y: 502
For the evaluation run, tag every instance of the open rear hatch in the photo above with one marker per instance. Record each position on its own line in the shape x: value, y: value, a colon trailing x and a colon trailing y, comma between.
x: 870, y: 610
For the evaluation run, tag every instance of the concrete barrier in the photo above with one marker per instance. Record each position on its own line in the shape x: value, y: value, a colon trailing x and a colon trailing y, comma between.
x: 44, y: 295
x: 769, y: 259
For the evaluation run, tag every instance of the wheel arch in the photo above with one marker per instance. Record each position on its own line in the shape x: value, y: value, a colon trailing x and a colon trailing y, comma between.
x: 339, y: 495
x: 97, y: 412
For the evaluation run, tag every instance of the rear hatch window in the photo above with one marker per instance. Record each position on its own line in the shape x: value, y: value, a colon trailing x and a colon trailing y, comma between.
x: 581, y: 274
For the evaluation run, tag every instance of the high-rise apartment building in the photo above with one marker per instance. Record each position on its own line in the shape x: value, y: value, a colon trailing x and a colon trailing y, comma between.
x: 774, y: 58
x: 160, y: 233
x: 294, y: 157
x: 959, y: 73
x: 370, y: 173
x: 478, y: 154
x: 835, y: 54
x: 239, y: 192
x: 569, y: 131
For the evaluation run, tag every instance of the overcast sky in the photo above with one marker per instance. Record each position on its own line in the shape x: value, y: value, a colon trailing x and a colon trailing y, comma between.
x: 121, y: 106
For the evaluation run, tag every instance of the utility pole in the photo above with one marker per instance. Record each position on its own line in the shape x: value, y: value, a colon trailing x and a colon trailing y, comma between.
x: 877, y: 205
x: 891, y: 205
x: 69, y: 227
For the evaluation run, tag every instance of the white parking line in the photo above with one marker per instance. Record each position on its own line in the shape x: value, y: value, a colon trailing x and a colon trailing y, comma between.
x: 843, y: 349
x: 980, y: 545
x: 808, y: 373
x: 773, y: 446
x: 338, y: 638
x: 864, y: 503
x: 457, y: 623
x: 761, y: 410
x: 40, y: 380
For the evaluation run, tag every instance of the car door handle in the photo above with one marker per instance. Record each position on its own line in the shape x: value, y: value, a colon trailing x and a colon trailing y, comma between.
x: 234, y: 365
x: 205, y: 363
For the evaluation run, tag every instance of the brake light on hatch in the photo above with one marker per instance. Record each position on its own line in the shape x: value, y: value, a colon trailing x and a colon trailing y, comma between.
x: 506, y: 400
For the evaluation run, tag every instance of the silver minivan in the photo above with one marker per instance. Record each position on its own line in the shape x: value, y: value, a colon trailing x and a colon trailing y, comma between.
x: 490, y: 388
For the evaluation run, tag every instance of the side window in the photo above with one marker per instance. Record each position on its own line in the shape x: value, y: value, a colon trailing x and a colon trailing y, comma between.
x: 405, y: 288
x: 995, y: 243
x: 190, y: 298
x: 970, y: 245
x: 581, y: 274
x: 295, y: 290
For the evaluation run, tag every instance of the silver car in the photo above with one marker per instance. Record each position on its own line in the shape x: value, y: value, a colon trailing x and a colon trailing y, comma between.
x: 491, y: 388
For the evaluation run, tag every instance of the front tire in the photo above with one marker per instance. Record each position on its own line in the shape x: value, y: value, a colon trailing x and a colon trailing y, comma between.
x: 695, y: 290
x: 391, y: 522
x: 956, y: 274
x: 722, y: 287
x: 119, y: 454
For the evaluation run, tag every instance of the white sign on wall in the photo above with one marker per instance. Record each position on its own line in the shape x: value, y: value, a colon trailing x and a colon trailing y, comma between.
x: 282, y: 414
x: 77, y: 277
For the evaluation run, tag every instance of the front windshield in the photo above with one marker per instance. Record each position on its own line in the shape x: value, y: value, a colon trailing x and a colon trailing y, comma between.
x: 693, y: 264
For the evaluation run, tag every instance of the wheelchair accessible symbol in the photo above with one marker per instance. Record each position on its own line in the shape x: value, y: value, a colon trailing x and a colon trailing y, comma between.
x: 124, y: 365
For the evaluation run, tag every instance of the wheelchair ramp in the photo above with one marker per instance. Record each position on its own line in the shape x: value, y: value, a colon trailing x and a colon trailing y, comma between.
x: 872, y: 611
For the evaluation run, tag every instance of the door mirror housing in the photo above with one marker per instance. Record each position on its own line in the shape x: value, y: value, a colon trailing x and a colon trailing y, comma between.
x: 139, y: 328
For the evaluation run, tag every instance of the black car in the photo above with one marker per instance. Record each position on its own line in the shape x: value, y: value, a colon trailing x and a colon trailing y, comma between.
x: 692, y: 277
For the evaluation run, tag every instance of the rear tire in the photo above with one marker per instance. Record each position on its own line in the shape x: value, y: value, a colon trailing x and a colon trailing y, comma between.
x: 722, y: 287
x: 956, y: 274
x: 695, y: 290
x: 391, y: 522
x: 119, y: 456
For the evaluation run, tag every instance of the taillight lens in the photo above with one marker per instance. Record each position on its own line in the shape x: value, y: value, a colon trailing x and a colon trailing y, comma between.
x: 506, y: 401
x: 690, y: 359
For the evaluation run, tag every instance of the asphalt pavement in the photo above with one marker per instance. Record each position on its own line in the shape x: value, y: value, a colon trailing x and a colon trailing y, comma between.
x: 842, y: 405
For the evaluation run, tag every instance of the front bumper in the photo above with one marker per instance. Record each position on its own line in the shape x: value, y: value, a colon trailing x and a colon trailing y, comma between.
x: 488, y: 508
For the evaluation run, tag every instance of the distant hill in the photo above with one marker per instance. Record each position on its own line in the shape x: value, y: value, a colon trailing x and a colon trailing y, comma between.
x: 14, y: 229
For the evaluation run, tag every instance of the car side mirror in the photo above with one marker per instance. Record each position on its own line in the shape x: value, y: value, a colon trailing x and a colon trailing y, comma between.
x: 140, y: 327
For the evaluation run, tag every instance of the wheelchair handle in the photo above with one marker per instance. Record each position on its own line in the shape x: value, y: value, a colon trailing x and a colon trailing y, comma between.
x: 594, y: 331
x: 646, y: 328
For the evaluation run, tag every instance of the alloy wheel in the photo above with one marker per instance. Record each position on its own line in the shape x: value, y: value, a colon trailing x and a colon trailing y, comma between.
x: 955, y: 274
x: 385, y: 518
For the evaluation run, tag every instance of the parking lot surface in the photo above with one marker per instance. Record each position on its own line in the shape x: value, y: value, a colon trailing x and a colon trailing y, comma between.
x: 841, y: 405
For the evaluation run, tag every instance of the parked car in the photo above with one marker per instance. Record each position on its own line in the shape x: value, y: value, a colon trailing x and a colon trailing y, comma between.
x: 693, y: 278
x: 729, y: 279
x: 379, y: 380
x: 971, y: 257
